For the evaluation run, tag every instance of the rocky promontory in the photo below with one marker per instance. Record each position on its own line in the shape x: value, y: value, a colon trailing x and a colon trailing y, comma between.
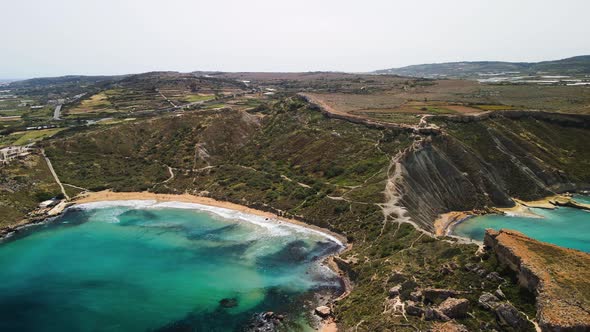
x: 559, y: 277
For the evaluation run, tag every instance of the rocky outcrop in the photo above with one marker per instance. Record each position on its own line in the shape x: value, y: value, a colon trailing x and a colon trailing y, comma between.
x: 454, y: 308
x: 414, y: 308
x: 265, y: 322
x: 323, y: 311
x: 488, y: 301
x: 433, y: 294
x: 509, y: 316
x: 558, y: 276
x: 395, y: 291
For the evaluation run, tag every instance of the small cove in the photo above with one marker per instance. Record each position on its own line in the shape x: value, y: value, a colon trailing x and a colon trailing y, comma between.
x: 563, y: 226
x: 142, y: 266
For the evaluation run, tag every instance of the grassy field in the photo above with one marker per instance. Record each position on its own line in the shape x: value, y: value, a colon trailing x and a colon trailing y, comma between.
x: 29, y: 136
x: 96, y: 103
x: 197, y: 97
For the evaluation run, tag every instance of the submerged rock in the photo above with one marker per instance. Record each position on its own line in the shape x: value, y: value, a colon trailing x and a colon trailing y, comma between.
x: 265, y: 322
x: 228, y: 302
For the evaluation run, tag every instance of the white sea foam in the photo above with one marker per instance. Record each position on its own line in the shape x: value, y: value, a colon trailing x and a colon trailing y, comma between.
x: 128, y: 203
x: 272, y: 225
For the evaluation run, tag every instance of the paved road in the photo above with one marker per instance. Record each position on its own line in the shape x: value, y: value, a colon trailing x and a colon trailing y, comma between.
x: 57, y: 112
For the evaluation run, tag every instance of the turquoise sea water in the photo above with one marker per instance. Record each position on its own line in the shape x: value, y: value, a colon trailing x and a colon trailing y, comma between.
x: 566, y: 227
x: 147, y: 267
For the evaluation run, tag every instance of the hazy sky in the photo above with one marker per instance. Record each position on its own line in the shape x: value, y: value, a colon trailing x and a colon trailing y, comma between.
x: 58, y: 37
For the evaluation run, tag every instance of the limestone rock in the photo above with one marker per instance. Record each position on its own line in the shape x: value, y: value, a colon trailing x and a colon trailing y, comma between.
x: 398, y: 277
x: 454, y: 308
x: 395, y: 290
x: 508, y: 315
x: 432, y: 294
x: 488, y: 301
x: 323, y: 311
x: 416, y: 296
x: 435, y: 314
x: 552, y: 273
x: 494, y: 277
x: 414, y: 309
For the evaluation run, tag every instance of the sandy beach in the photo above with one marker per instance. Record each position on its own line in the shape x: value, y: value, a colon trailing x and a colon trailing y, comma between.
x: 443, y: 226
x: 108, y: 195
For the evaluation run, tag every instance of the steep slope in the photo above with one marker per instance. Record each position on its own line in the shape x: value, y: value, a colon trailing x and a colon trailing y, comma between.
x: 483, y: 164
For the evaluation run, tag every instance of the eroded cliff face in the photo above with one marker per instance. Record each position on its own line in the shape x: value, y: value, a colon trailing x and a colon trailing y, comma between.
x: 560, y: 284
x: 483, y: 164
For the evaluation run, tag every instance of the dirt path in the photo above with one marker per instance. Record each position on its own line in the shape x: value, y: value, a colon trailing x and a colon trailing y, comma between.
x: 171, y: 175
x: 55, y: 175
x: 166, y: 98
x: 73, y: 186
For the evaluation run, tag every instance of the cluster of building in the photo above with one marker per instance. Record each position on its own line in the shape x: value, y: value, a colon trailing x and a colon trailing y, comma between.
x: 13, y: 152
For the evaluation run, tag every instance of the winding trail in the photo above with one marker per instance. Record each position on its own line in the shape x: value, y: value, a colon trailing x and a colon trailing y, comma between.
x: 171, y: 175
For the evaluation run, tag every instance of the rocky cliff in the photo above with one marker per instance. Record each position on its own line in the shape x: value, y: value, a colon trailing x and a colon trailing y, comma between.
x: 557, y: 275
x: 484, y: 163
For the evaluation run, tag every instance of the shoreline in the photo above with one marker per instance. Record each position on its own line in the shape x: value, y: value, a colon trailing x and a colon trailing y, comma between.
x: 446, y: 222
x: 105, y: 196
x: 109, y: 196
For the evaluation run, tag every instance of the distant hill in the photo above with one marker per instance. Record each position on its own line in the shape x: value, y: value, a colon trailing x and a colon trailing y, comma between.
x: 578, y: 65
x: 63, y: 80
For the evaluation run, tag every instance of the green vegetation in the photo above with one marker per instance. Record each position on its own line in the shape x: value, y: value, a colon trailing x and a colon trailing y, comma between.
x: 283, y: 156
x: 32, y: 136
x: 434, y: 110
x: 195, y: 98
x: 23, y: 184
x: 578, y: 65
x: 296, y: 162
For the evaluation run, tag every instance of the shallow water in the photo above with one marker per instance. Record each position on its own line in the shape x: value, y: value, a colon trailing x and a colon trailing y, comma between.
x: 566, y: 227
x: 146, y: 267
